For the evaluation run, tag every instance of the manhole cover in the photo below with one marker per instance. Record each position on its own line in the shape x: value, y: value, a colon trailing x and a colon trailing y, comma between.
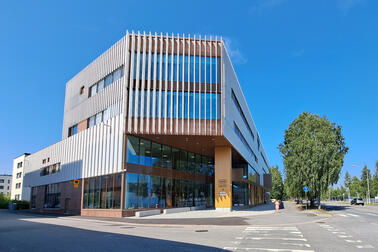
x: 202, y: 231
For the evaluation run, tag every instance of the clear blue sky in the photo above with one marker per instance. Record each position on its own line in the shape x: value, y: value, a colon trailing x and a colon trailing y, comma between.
x: 290, y: 56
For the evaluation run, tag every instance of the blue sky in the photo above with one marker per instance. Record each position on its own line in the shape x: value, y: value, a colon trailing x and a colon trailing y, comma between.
x: 290, y: 56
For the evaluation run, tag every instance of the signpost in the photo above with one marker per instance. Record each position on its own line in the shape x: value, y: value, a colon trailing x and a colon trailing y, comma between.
x: 306, y: 190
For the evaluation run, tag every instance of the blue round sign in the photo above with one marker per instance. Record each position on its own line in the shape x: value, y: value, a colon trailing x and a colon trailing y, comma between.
x: 305, y: 189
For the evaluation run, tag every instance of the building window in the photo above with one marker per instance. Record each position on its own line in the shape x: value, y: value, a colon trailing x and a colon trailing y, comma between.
x: 18, y: 185
x: 19, y: 165
x: 52, y: 196
x: 237, y: 104
x: 72, y: 130
x: 99, y: 118
x: 202, y: 69
x: 17, y: 197
x: 105, y: 82
x: 1, y: 180
x: 103, y: 192
x: 9, y: 181
x: 147, y: 153
x: 145, y: 191
x: 33, y: 198
x: 209, y: 109
x: 18, y: 175
x: 51, y: 169
x: 82, y: 90
x: 1, y: 187
x: 242, y: 139
x: 44, y: 161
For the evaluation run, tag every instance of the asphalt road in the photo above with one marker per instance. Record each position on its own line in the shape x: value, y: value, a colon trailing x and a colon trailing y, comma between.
x: 346, y: 228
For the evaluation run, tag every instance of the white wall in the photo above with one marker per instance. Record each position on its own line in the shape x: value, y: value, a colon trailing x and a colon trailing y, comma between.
x: 93, y: 152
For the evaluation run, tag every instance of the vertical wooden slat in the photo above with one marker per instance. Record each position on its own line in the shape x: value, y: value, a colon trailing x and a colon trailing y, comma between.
x: 137, y: 83
x: 177, y: 82
x: 216, y: 85
x: 200, y: 85
x: 142, y: 115
x: 194, y: 85
x: 154, y: 90
x: 149, y: 84
x: 131, y: 81
x: 183, y: 85
x: 166, y: 43
x: 188, y: 119
x: 171, y: 83
x: 205, y: 75
x: 160, y: 81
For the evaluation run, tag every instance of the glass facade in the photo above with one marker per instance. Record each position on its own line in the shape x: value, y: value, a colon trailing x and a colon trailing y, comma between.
x: 147, y: 191
x: 52, y: 196
x: 193, y: 69
x: 145, y: 152
x: 103, y: 192
x: 184, y: 102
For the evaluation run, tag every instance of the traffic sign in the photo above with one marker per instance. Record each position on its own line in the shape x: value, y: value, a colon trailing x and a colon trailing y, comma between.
x: 305, y: 189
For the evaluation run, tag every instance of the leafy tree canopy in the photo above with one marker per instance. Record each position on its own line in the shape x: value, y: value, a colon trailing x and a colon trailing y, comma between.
x: 313, y: 152
x: 277, y: 184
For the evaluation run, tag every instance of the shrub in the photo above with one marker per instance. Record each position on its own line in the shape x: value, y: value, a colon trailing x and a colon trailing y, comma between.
x: 21, y: 204
x: 4, y: 201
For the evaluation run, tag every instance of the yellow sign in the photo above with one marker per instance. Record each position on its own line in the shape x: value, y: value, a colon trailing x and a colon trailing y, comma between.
x: 76, y: 183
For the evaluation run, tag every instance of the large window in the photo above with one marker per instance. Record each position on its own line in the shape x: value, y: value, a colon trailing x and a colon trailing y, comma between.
x: 237, y: 104
x: 242, y: 139
x: 144, y: 191
x: 105, y: 82
x: 52, y: 196
x: 202, y: 69
x: 33, y: 198
x: 102, y: 192
x: 145, y: 152
x: 190, y: 101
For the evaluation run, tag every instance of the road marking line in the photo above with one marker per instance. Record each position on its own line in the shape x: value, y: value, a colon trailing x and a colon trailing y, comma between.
x: 239, y: 238
x: 268, y: 249
x: 343, y: 215
x: 297, y: 244
x: 351, y: 241
x: 364, y: 246
x: 375, y: 215
x: 295, y: 232
x: 354, y: 215
x: 272, y: 229
x: 276, y: 238
x: 345, y: 236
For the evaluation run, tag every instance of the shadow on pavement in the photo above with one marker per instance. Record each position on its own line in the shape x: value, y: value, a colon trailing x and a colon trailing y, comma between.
x: 335, y: 208
x: 45, y: 237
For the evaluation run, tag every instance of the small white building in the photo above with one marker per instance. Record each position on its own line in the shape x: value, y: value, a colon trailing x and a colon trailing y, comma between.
x: 19, y: 192
x: 5, y: 184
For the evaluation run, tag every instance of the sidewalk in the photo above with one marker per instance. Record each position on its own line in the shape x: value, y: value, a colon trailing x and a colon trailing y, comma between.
x: 206, y: 214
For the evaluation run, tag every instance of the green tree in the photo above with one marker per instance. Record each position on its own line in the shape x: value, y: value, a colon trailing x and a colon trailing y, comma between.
x: 347, y: 181
x: 313, y: 152
x: 374, y: 192
x: 355, y: 187
x: 365, y: 176
x: 277, y: 184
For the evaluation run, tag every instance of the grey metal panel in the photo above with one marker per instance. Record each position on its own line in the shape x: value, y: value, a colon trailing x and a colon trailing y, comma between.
x: 80, y: 107
x: 81, y: 155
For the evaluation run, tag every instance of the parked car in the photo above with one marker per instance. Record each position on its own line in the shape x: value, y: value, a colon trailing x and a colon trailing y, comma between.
x: 357, y: 201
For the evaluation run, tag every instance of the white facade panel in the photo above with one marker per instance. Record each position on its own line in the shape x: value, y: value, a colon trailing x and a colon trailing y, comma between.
x: 83, y: 155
